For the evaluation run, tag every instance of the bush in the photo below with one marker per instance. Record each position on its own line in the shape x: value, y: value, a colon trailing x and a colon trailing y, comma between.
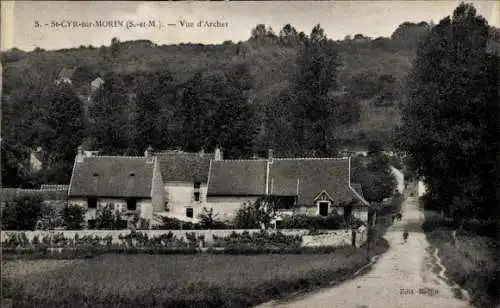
x: 334, y: 222
x: 107, y: 219
x: 208, y: 220
x: 23, y: 213
x: 169, y: 223
x: 73, y: 216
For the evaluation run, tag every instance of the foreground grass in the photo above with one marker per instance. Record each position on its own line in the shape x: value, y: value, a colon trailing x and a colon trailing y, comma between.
x: 472, y: 262
x: 203, y: 280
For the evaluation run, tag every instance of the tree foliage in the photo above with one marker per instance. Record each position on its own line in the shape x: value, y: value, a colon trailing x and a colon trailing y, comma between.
x: 73, y: 216
x: 451, y: 118
x: 375, y: 176
x: 313, y: 107
x: 23, y: 213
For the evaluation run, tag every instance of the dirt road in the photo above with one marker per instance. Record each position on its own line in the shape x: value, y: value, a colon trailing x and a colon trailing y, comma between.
x: 408, y: 275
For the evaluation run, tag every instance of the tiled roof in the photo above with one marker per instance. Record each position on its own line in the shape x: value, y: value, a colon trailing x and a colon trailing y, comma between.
x: 67, y: 73
x: 237, y: 178
x: 184, y: 167
x: 9, y: 194
x: 309, y: 177
x: 305, y: 178
x: 112, y: 176
x: 56, y: 186
x: 46, y: 194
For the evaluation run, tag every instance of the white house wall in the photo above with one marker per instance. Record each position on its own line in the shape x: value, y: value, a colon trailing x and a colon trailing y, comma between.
x: 158, y: 195
x: 144, y: 206
x: 180, y: 195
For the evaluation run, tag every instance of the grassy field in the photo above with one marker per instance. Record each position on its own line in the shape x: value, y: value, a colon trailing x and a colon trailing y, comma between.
x: 203, y: 280
x: 472, y: 262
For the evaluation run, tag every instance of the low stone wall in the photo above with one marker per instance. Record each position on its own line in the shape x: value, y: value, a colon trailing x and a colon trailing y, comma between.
x: 336, y: 238
x: 151, y: 233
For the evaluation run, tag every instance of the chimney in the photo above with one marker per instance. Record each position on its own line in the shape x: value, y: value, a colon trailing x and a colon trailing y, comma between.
x: 149, y: 152
x: 80, y: 155
x: 217, y: 154
x: 270, y: 155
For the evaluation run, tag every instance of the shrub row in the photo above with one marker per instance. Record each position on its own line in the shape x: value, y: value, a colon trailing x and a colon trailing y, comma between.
x: 58, y: 247
x: 334, y: 222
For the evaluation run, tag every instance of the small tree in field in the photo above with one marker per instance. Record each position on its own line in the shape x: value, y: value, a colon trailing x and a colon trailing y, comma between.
x: 73, y: 216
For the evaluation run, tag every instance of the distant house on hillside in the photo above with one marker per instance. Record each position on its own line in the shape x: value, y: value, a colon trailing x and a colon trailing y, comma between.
x: 96, y: 84
x: 312, y: 186
x: 132, y: 184
x: 66, y: 75
x: 36, y: 163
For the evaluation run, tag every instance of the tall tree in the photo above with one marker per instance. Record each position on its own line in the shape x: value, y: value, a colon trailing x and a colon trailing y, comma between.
x: 317, y: 77
x: 152, y: 103
x: 216, y: 111
x: 62, y: 132
x: 450, y: 121
x: 111, y: 118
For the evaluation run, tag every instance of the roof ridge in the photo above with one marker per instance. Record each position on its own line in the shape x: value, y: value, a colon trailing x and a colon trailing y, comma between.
x: 247, y: 159
x: 114, y: 156
x: 41, y: 189
x: 312, y: 158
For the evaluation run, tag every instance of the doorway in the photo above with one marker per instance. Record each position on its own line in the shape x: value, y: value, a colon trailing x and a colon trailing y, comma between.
x: 323, y: 208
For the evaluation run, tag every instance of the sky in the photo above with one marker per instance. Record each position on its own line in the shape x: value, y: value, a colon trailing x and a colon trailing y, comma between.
x: 236, y: 19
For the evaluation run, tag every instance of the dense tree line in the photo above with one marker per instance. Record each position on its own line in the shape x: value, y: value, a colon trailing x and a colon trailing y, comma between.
x: 450, y: 123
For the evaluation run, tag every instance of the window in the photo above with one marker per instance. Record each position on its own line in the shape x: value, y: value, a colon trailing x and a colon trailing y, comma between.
x: 197, y: 185
x: 189, y: 212
x: 92, y: 203
x: 91, y: 223
x: 197, y: 196
x: 323, y: 208
x: 131, y: 205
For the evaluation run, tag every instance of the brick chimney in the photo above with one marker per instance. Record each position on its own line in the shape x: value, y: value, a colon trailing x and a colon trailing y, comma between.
x: 270, y: 156
x: 217, y: 154
x: 80, y: 154
x: 149, y: 153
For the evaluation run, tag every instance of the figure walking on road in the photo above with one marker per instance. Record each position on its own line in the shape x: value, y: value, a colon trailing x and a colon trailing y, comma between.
x: 405, y: 235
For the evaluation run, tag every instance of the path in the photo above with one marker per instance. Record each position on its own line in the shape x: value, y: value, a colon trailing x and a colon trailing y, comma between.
x: 405, y: 267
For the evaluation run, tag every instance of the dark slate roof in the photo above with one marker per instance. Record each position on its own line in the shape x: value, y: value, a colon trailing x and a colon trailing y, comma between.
x: 111, y: 176
x: 311, y: 176
x: 54, y: 186
x: 237, y: 178
x: 9, y: 194
x: 46, y: 194
x: 184, y: 167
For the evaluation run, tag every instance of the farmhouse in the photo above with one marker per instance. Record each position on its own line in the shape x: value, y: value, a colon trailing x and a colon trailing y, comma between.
x: 185, y: 177
x: 312, y: 186
x: 133, y: 185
